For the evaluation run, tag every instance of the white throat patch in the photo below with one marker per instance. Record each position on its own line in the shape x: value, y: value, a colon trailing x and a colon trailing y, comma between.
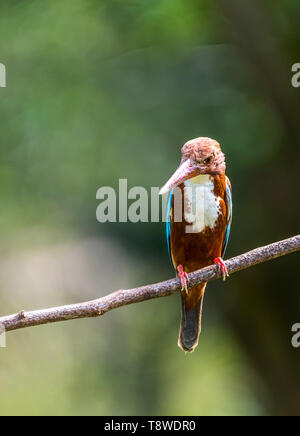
x: 201, y: 206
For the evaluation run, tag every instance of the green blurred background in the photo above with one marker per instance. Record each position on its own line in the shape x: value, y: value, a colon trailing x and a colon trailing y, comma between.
x: 102, y: 90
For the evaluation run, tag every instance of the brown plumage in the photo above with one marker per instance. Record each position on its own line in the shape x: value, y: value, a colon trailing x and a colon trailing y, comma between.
x: 200, y: 157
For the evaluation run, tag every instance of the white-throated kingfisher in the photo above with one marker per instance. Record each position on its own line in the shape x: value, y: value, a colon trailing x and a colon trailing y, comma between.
x: 198, y: 225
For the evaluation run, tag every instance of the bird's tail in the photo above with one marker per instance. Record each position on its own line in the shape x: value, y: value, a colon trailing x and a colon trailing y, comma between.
x: 191, y: 312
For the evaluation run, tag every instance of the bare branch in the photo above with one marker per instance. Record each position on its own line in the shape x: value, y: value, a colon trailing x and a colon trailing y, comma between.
x: 163, y: 289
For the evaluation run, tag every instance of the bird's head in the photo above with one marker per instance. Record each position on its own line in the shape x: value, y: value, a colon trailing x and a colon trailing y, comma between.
x: 199, y: 156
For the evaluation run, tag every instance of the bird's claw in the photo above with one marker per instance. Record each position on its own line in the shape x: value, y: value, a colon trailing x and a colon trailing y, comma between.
x: 221, y: 267
x: 183, y: 278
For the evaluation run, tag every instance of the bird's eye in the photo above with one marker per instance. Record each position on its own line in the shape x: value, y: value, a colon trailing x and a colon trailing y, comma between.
x: 207, y: 160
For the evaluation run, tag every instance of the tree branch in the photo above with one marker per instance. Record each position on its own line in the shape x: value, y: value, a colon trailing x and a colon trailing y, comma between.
x: 163, y: 289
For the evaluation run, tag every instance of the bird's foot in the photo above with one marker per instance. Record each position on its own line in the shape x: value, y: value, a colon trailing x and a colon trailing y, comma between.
x: 183, y: 278
x: 221, y: 267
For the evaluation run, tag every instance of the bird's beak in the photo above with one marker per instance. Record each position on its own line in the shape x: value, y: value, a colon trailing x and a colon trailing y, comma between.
x: 184, y: 172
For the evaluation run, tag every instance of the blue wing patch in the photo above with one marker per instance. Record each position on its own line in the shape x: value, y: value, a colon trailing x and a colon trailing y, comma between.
x: 229, y: 214
x: 168, y: 222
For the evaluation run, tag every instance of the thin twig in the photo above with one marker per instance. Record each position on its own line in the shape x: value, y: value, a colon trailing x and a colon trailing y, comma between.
x: 163, y: 289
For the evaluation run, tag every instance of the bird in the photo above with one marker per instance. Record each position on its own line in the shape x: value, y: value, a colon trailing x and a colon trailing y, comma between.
x: 198, y: 223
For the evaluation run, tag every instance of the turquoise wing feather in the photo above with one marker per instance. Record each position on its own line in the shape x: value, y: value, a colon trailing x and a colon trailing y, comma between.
x: 168, y: 223
x: 229, y: 214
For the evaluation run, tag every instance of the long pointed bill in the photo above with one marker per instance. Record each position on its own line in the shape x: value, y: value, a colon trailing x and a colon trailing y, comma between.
x: 183, y: 172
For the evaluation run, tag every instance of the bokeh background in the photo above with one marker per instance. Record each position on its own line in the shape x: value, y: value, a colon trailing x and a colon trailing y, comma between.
x: 102, y: 90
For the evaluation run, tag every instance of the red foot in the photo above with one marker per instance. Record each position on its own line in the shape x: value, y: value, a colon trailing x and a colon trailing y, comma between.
x: 183, y: 278
x: 221, y: 267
